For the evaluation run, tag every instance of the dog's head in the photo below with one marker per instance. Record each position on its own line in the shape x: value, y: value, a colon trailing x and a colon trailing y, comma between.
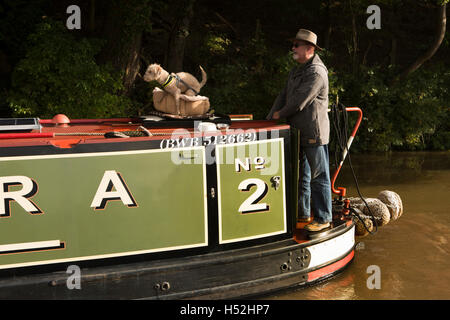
x: 152, y: 73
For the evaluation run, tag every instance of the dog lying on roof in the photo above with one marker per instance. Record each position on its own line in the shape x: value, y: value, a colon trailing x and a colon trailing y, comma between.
x: 175, y: 83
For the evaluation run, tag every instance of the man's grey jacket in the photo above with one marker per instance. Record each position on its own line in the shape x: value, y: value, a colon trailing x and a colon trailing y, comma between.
x: 304, y: 102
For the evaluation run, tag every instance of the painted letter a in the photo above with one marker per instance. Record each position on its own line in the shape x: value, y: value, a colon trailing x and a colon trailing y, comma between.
x: 112, y: 180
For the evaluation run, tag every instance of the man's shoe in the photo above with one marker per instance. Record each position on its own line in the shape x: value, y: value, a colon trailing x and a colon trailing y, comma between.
x: 316, y: 226
x: 304, y: 219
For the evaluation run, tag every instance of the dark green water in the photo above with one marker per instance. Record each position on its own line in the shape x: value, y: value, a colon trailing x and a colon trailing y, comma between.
x: 413, y: 252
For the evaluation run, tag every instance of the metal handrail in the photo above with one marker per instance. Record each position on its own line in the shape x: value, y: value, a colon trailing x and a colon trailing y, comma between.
x: 341, y: 191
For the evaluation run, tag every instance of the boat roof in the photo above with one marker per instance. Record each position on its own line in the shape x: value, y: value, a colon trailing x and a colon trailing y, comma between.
x: 64, y: 132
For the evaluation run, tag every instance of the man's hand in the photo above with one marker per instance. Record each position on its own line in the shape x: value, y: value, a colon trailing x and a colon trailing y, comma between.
x: 276, y: 115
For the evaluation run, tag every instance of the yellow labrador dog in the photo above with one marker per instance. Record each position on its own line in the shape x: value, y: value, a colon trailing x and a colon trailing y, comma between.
x: 175, y: 83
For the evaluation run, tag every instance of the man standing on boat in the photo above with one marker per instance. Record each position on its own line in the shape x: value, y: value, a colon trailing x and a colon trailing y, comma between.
x: 304, y: 103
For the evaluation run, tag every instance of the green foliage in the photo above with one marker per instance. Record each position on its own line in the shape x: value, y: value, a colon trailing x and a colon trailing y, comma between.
x: 17, y: 18
x: 59, y: 74
x: 244, y: 78
x: 413, y: 115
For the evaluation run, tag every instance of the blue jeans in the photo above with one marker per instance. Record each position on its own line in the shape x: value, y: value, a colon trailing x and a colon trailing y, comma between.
x: 314, y: 183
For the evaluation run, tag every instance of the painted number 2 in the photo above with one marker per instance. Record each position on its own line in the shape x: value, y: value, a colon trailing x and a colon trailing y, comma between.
x: 251, y: 204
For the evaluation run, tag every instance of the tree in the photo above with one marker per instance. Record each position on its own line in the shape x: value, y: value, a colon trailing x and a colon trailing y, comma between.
x: 179, y: 32
x: 59, y: 74
x: 439, y: 37
x: 124, y: 23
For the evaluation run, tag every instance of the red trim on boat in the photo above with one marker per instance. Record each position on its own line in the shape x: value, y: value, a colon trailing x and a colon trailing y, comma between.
x: 66, y: 143
x: 330, y: 268
x: 49, y: 132
x: 26, y: 135
x: 92, y: 121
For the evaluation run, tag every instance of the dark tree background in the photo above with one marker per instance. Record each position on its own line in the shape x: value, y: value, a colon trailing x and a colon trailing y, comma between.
x: 399, y: 74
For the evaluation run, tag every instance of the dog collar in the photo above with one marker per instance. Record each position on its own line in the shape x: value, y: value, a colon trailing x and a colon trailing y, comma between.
x: 168, y: 81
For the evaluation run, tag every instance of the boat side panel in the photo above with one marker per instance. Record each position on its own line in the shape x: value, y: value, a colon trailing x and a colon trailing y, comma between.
x: 150, y: 175
x: 59, y: 208
x: 252, y: 197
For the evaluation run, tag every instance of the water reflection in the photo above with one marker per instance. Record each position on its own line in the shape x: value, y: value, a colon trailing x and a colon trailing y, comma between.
x: 394, y: 168
x: 412, y: 252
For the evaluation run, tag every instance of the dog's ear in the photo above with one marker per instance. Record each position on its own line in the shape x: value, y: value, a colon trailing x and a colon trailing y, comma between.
x: 158, y: 69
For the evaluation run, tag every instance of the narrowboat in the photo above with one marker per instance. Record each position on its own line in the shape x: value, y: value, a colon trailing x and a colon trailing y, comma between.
x: 158, y: 208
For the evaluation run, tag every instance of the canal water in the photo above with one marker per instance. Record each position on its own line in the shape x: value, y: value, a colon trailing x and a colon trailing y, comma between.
x: 412, y: 254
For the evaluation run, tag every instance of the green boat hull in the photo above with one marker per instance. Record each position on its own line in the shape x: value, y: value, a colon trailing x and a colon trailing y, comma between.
x: 210, y: 216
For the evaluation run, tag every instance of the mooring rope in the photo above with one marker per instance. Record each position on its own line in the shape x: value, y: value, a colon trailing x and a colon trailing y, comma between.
x: 117, y: 134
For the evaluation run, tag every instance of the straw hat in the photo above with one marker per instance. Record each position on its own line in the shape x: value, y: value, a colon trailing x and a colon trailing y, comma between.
x: 308, y: 36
